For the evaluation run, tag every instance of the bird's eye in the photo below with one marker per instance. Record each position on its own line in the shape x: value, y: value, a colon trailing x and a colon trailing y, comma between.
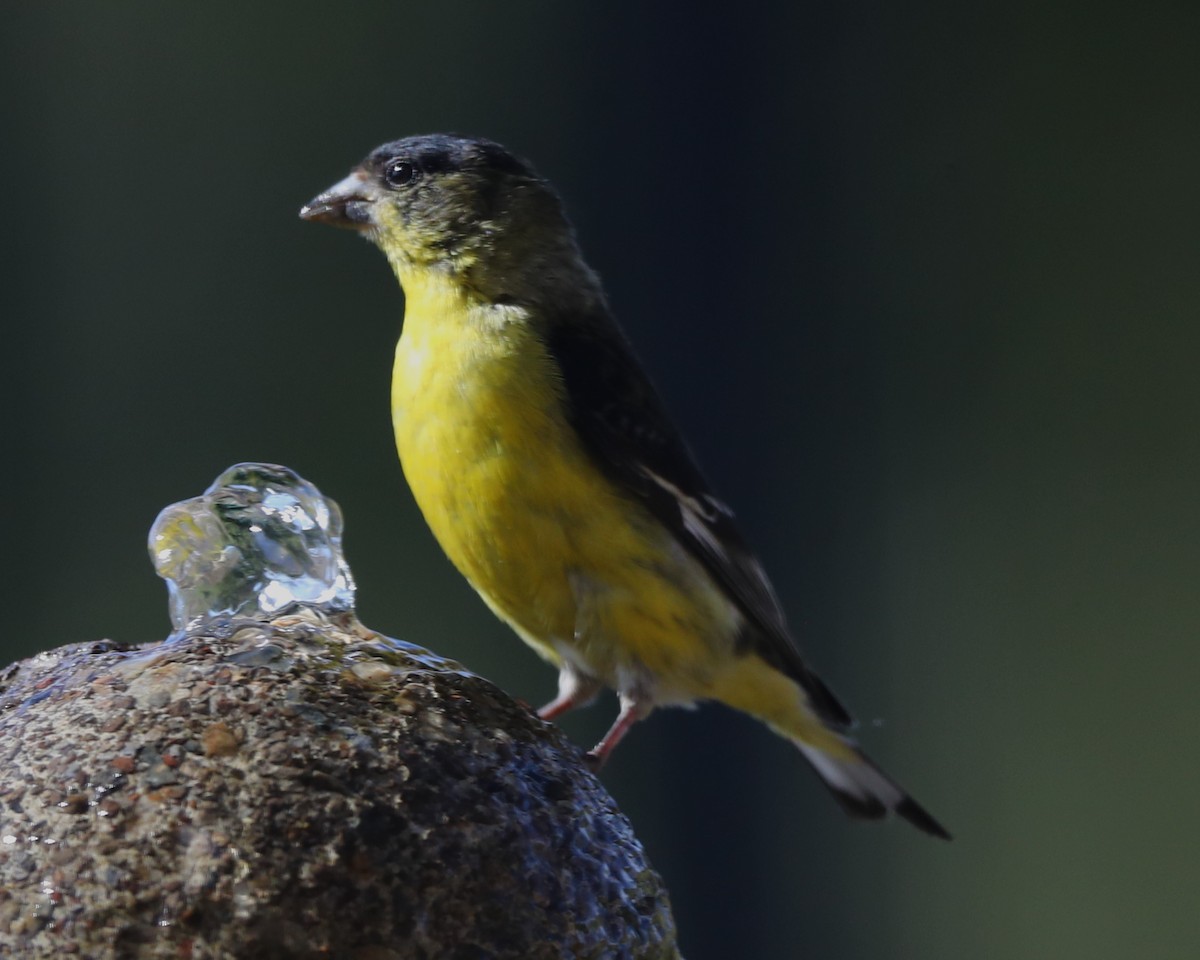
x: 399, y: 172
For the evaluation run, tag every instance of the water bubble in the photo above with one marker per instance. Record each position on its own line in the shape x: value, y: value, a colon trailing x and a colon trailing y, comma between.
x: 259, y: 541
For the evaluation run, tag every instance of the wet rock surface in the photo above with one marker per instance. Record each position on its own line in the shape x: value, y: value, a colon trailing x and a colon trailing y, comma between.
x: 278, y: 781
x: 301, y: 788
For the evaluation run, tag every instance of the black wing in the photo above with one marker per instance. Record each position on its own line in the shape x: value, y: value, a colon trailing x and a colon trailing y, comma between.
x: 623, y: 424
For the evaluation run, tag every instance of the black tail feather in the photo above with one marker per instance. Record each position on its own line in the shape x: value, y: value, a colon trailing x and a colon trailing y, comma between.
x: 867, y: 793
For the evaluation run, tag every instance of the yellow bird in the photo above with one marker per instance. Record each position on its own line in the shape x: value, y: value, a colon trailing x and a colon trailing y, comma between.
x: 549, y: 471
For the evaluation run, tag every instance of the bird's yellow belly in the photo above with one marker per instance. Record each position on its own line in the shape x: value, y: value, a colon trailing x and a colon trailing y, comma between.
x: 579, y: 571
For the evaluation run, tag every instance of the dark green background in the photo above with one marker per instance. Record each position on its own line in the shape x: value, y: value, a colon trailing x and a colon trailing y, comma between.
x: 920, y: 283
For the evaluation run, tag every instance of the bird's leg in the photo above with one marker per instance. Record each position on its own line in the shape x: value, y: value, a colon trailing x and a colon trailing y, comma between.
x: 575, y: 689
x: 633, y: 709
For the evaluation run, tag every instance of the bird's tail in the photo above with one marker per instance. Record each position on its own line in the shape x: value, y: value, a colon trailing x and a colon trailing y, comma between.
x: 862, y: 789
x: 802, y: 714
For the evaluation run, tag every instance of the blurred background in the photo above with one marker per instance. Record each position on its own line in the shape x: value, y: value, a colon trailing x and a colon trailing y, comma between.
x: 920, y: 283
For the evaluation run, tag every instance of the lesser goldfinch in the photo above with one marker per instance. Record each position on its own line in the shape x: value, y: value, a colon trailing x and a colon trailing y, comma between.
x: 550, y: 473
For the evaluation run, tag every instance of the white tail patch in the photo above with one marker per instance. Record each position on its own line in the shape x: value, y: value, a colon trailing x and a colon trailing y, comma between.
x: 855, y: 777
x: 864, y: 790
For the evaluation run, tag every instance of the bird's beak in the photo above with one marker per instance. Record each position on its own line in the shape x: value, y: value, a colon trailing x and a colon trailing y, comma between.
x: 345, y: 204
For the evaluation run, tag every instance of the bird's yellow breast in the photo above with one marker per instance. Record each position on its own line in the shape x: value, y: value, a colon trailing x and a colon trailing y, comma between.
x: 518, y: 506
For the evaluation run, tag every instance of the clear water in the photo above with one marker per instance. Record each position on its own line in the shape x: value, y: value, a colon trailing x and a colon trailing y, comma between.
x: 257, y: 542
